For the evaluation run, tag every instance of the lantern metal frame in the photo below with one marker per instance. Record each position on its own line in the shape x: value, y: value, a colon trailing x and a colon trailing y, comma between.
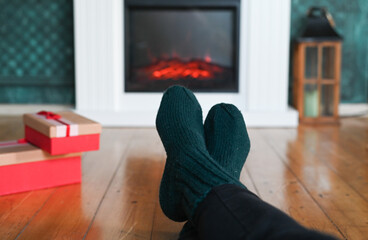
x: 300, y: 80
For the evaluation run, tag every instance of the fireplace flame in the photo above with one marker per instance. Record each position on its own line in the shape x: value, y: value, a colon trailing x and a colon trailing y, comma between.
x: 177, y: 69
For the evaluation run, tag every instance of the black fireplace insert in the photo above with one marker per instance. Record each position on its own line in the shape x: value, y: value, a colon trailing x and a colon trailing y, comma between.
x: 190, y: 43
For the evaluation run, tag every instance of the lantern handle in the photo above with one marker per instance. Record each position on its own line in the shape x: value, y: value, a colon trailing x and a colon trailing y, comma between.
x: 323, y: 12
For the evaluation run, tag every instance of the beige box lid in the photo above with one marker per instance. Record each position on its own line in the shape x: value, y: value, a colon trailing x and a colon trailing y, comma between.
x: 26, y: 152
x: 85, y: 125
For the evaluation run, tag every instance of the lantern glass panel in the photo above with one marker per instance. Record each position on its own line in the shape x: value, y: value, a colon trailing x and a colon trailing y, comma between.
x: 310, y: 100
x: 327, y: 100
x: 328, y: 62
x: 311, y: 62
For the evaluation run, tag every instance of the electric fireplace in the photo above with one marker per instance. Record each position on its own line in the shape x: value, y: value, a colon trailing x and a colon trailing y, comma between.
x: 121, y: 70
x: 191, y: 43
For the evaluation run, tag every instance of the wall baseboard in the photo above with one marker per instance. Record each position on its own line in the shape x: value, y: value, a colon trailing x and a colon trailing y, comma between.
x: 353, y: 109
x: 288, y: 118
x: 20, y: 109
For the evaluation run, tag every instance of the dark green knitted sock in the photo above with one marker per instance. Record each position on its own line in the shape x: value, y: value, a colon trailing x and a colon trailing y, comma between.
x: 227, y: 138
x: 227, y: 142
x: 190, y: 172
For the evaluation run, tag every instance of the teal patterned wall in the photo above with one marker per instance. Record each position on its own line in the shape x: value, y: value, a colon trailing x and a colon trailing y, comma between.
x: 37, y: 55
x: 351, y: 18
x: 36, y: 51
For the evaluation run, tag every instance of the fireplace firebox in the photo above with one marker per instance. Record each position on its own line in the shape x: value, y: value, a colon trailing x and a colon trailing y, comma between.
x: 191, y: 43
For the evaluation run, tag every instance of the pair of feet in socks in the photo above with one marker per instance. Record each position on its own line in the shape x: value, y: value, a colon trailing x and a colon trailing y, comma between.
x: 199, y: 157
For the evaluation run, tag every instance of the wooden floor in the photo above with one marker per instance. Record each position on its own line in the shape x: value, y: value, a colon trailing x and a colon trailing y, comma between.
x: 318, y: 175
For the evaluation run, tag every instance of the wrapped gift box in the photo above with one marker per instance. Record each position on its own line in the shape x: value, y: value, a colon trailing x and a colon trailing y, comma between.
x: 61, y: 133
x: 24, y: 167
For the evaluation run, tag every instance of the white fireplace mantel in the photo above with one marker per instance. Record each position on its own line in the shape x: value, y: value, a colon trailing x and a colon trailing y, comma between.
x: 263, y: 74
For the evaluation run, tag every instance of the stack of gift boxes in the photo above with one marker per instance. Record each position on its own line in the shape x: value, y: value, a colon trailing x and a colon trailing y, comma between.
x: 50, y: 153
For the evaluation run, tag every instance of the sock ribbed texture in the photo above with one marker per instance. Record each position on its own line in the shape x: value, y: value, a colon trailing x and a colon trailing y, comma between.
x: 227, y: 138
x: 227, y: 142
x: 190, y: 172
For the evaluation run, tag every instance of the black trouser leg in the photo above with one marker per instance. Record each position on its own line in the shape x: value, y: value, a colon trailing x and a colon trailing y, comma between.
x: 232, y: 212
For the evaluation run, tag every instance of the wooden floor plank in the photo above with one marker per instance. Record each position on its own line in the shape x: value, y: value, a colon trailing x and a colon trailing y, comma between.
x: 316, y: 174
x: 70, y: 210
x: 17, y: 210
x: 276, y: 183
x: 164, y: 228
x: 332, y: 147
x: 247, y: 180
x: 347, y: 209
x: 11, y: 128
x: 127, y: 210
x: 351, y: 136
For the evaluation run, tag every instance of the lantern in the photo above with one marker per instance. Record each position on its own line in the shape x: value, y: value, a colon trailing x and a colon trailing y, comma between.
x: 316, y: 70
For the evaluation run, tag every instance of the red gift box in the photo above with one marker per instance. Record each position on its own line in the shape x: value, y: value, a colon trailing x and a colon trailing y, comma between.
x: 61, y: 133
x: 24, y: 167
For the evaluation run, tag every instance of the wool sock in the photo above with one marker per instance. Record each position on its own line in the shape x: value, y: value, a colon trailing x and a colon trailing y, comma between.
x: 190, y: 172
x: 227, y: 138
x: 227, y: 142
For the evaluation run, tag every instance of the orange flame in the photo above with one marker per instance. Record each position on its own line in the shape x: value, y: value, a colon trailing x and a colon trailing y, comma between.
x: 176, y: 69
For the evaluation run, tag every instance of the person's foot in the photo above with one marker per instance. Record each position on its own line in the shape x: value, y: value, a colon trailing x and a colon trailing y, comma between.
x: 227, y: 142
x: 227, y: 138
x: 190, y: 172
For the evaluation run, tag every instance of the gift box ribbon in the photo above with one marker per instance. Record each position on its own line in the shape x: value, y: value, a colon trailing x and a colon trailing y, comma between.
x: 66, y: 129
x: 13, y: 143
x: 49, y: 115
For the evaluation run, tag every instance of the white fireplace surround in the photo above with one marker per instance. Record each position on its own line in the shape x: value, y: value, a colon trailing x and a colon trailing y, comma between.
x: 263, y: 74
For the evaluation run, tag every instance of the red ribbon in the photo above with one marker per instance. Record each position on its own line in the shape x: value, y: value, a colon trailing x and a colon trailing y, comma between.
x: 19, y: 141
x: 22, y: 140
x: 56, y: 117
x: 49, y: 115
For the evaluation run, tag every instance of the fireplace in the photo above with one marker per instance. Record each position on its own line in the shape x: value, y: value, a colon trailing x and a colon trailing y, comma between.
x: 194, y: 44
x: 121, y: 71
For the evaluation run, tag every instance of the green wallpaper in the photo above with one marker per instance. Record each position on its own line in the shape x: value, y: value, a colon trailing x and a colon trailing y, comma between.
x: 351, y: 18
x: 36, y: 51
x: 37, y: 55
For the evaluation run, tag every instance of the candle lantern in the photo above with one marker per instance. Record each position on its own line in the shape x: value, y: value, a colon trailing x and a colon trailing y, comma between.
x: 316, y: 70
